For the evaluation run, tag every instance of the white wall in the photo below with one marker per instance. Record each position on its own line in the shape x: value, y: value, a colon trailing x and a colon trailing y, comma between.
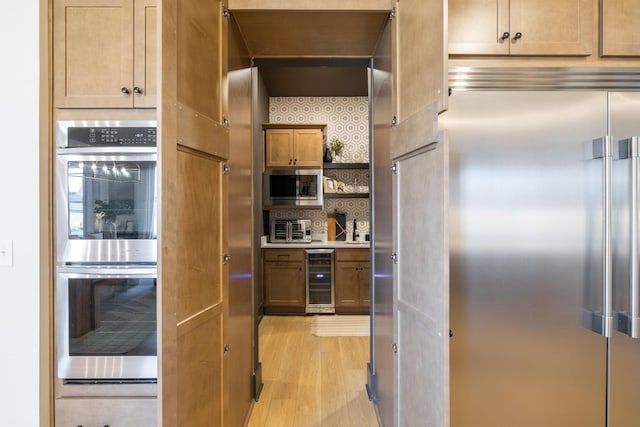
x: 19, y: 286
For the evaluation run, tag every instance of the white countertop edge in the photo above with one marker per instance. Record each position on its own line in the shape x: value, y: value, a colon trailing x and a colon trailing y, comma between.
x: 264, y: 244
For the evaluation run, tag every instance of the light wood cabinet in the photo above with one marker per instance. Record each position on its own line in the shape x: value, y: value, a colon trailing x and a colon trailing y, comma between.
x: 620, y: 28
x: 141, y: 412
x: 294, y: 147
x: 104, y: 53
x: 352, y: 282
x: 284, y: 281
x: 521, y: 27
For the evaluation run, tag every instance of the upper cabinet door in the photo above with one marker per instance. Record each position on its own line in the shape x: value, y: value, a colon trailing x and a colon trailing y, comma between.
x: 551, y: 27
x: 420, y: 72
x: 145, y: 53
x: 521, y: 27
x: 279, y: 148
x: 307, y: 148
x: 93, y: 53
x: 479, y: 27
x: 620, y: 28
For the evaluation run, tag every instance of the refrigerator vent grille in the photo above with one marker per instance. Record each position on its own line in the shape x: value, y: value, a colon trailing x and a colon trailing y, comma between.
x: 551, y: 78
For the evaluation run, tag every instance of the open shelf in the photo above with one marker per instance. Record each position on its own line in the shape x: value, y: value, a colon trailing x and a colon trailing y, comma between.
x: 346, y: 195
x: 345, y: 165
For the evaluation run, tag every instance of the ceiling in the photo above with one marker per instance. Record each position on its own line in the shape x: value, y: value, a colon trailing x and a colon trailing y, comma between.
x: 318, y: 53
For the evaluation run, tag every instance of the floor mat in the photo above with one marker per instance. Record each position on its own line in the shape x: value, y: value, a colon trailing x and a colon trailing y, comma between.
x: 340, y: 326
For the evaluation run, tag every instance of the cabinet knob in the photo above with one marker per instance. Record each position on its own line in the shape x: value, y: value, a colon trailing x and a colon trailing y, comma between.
x: 124, y: 90
x: 517, y: 36
x: 136, y: 89
x: 505, y: 35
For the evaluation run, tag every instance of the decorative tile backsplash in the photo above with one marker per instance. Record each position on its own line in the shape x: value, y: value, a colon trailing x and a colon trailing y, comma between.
x: 347, y: 118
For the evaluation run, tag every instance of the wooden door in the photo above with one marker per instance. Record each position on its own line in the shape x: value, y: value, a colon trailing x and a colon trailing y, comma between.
x: 421, y: 280
x: 620, y: 28
x: 284, y: 284
x: 93, y: 53
x: 420, y: 301
x: 347, y: 284
x: 551, y: 27
x: 479, y: 26
x: 145, y: 54
x: 420, y: 73
x: 307, y: 148
x: 279, y: 148
x: 194, y: 144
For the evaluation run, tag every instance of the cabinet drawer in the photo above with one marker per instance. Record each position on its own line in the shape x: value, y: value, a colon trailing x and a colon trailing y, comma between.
x: 352, y: 254
x: 284, y: 255
x: 114, y: 412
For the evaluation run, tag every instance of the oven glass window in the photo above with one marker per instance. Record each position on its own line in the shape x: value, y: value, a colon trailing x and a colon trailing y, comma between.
x: 112, y: 317
x: 112, y: 200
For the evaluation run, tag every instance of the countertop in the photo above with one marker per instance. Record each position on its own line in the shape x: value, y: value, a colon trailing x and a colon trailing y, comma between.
x: 313, y: 245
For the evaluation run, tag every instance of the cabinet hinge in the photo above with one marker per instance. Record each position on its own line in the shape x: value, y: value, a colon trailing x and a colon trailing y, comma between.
x: 394, y: 348
x: 225, y: 122
x: 394, y: 168
x: 393, y: 13
x: 394, y: 257
x: 225, y: 12
x: 394, y: 121
x: 226, y: 258
x: 226, y: 169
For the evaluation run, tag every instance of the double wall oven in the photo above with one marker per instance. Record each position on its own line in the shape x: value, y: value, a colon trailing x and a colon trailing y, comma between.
x: 106, y: 251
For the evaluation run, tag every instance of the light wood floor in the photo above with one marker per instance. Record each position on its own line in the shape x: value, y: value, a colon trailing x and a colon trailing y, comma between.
x: 311, y: 381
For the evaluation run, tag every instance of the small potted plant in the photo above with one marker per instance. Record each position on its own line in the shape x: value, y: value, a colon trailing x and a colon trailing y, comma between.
x: 336, y: 145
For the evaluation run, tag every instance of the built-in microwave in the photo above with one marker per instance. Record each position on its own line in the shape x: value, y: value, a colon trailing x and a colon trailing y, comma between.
x: 292, y: 188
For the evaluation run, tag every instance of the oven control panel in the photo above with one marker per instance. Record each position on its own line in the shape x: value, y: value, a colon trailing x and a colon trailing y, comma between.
x: 111, y: 137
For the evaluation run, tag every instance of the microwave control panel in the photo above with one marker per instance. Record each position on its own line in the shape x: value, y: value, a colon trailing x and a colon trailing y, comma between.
x: 111, y: 137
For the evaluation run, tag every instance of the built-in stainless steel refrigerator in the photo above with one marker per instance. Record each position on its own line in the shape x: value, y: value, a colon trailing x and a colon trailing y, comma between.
x: 544, y: 258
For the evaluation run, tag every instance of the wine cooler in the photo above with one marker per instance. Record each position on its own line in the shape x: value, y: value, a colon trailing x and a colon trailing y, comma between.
x: 320, y: 283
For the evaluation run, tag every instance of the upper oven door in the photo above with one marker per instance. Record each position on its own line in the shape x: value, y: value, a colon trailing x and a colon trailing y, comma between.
x: 106, y: 207
x: 106, y: 192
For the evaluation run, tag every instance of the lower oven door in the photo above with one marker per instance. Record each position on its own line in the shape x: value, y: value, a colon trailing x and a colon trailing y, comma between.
x: 106, y: 327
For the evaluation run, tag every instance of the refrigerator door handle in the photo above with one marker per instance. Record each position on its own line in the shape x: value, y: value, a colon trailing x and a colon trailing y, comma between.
x: 602, y: 322
x: 627, y: 320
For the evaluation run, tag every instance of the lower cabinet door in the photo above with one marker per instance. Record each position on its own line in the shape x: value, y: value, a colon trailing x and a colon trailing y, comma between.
x: 111, y: 412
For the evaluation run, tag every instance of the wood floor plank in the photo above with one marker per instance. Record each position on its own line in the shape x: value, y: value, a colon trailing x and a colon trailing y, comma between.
x: 311, y: 381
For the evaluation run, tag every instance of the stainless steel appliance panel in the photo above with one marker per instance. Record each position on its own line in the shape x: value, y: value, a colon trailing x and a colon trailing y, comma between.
x: 292, y: 188
x: 624, y: 371
x: 520, y: 355
x: 106, y: 192
x: 380, y: 383
x: 106, y: 327
x: 291, y: 231
x: 320, y: 280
